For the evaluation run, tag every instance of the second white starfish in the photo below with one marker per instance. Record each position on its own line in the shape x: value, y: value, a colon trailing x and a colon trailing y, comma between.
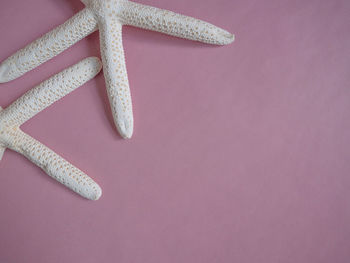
x: 36, y: 100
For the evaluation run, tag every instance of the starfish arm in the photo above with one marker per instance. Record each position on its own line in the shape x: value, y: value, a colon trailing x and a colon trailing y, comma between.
x: 2, y: 150
x: 49, y: 91
x: 55, y: 166
x: 116, y: 77
x: 2, y: 146
x: 171, y: 23
x: 48, y: 46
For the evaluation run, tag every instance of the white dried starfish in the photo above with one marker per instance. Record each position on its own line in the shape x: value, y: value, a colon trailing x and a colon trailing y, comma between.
x: 109, y: 16
x: 31, y: 103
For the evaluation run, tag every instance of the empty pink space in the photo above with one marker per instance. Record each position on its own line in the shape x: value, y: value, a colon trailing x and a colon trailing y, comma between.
x: 240, y: 153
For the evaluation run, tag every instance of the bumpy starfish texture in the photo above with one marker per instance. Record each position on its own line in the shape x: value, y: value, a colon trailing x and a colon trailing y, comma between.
x: 109, y: 16
x: 30, y: 104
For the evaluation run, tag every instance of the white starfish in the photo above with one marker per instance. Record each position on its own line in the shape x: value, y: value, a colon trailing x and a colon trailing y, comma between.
x: 109, y: 16
x: 31, y: 103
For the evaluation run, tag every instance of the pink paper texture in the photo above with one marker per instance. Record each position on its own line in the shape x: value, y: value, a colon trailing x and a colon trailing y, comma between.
x: 240, y: 153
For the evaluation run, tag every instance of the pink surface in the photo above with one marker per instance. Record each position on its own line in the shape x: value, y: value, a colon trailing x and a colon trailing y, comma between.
x: 240, y: 153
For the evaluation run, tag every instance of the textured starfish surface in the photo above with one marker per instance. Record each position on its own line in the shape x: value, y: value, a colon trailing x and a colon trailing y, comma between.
x: 31, y: 103
x: 109, y: 16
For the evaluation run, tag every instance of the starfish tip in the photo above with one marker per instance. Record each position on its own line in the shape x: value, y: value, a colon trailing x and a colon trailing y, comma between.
x: 126, y: 131
x: 96, y: 194
x: 226, y: 37
x: 124, y: 127
x: 231, y: 38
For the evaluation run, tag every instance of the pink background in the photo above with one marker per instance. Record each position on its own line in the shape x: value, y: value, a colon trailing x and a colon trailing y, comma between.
x: 240, y: 153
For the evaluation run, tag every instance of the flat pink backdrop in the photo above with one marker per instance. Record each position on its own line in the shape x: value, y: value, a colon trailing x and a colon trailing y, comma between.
x: 240, y: 153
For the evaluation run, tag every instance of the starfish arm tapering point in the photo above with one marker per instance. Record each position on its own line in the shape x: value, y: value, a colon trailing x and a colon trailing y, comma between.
x: 2, y: 147
x: 168, y: 22
x: 56, y: 166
